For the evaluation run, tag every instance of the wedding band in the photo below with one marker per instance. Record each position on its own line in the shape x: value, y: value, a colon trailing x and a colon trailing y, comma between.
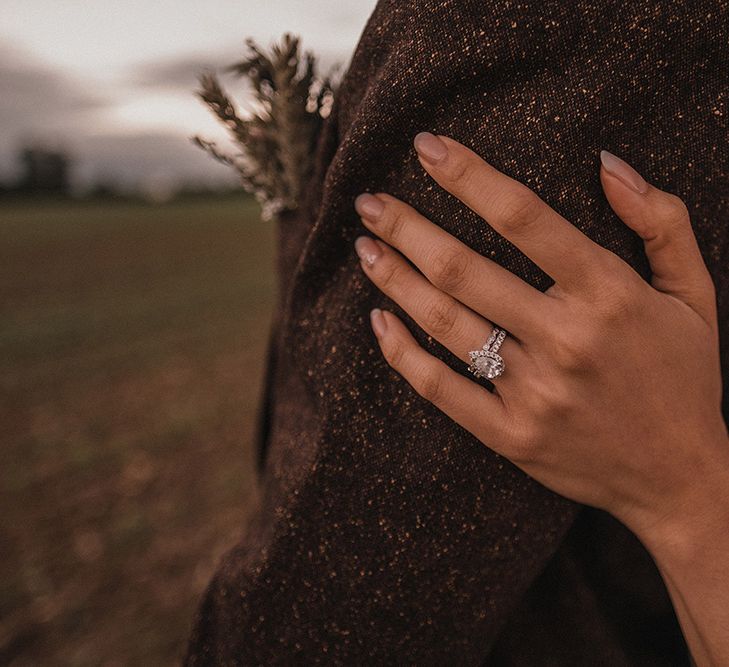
x: 486, y: 362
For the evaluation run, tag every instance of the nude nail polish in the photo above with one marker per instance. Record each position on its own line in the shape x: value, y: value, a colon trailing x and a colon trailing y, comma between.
x: 377, y: 319
x: 367, y: 250
x: 623, y: 171
x: 430, y: 147
x: 368, y: 206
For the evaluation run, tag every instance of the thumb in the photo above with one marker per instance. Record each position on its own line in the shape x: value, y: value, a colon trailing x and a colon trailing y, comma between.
x: 662, y: 220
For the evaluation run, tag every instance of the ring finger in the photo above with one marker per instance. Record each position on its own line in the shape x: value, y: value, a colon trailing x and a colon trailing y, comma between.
x: 453, y: 324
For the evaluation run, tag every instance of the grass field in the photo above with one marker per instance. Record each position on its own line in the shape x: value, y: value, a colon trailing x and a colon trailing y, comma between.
x: 132, y: 340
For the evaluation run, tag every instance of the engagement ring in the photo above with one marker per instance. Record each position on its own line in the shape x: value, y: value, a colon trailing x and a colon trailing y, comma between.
x: 486, y: 362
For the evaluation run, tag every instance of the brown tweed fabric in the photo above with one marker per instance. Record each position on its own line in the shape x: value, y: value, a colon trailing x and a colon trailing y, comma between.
x: 386, y: 533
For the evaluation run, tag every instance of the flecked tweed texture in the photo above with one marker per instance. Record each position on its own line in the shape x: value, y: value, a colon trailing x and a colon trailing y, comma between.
x: 386, y: 533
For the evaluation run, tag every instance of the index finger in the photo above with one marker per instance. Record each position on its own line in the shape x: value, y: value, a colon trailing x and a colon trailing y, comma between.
x: 512, y: 209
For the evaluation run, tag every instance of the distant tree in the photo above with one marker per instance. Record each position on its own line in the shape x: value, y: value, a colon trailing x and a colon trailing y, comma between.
x: 277, y: 141
x: 44, y: 170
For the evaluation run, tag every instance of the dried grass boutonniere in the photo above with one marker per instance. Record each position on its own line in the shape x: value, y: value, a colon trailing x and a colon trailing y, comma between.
x: 277, y: 138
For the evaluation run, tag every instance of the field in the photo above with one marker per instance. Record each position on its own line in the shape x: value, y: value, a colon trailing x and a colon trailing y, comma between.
x: 132, y: 340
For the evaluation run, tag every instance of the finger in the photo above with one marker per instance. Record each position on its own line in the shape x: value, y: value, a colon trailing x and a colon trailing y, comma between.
x: 453, y: 267
x: 662, y: 220
x: 466, y: 402
x: 513, y: 210
x: 451, y: 323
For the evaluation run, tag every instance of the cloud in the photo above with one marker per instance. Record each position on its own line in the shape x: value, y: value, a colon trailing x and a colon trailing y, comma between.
x: 181, y: 74
x: 176, y: 74
x: 36, y: 96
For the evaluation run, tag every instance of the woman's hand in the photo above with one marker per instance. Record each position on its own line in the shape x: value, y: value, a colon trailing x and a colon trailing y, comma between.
x: 612, y: 390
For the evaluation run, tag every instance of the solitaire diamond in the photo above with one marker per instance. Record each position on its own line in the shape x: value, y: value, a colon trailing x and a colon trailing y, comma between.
x: 485, y: 363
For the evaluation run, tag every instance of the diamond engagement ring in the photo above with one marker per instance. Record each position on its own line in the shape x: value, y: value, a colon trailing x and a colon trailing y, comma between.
x: 486, y: 363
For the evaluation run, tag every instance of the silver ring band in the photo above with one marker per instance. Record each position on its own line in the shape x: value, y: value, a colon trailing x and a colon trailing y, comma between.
x: 495, y: 344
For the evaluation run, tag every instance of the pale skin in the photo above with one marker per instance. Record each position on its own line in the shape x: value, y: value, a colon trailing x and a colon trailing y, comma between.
x: 612, y: 390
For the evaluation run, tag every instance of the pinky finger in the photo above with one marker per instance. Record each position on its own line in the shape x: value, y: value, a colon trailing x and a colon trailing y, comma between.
x: 464, y: 401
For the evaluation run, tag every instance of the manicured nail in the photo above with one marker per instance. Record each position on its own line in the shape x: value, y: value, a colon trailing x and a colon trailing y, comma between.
x: 623, y: 171
x: 368, y: 206
x: 379, y: 325
x: 429, y: 147
x: 367, y: 250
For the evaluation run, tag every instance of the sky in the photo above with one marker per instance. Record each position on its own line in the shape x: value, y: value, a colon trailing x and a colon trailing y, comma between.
x: 112, y: 81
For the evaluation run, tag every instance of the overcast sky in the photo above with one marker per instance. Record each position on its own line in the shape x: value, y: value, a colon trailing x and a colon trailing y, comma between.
x: 112, y: 81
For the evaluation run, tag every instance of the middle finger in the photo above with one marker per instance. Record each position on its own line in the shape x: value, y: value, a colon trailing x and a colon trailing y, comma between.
x: 453, y: 267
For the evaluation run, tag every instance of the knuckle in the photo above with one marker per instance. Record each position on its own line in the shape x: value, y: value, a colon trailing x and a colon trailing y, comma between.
x: 560, y: 402
x: 517, y: 210
x: 389, y: 274
x: 674, y: 211
x: 527, y: 443
x: 575, y: 351
x: 394, y: 220
x: 429, y: 385
x: 450, y: 269
x: 709, y: 286
x: 459, y: 172
x: 441, y: 317
x: 550, y: 405
x: 394, y: 351
x: 618, y: 302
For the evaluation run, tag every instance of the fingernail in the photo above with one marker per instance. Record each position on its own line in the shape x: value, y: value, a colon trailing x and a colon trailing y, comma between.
x: 368, y: 206
x: 367, y: 250
x: 429, y: 147
x: 622, y: 170
x: 379, y: 325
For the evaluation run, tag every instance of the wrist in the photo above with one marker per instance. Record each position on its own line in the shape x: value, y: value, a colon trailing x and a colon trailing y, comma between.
x: 698, y: 516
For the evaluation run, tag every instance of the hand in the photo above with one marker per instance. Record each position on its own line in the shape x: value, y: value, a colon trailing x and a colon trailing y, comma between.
x: 612, y: 390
